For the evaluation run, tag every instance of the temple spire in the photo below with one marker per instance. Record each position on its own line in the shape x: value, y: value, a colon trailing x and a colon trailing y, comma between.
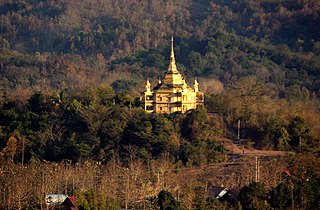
x: 172, y: 67
x: 172, y: 51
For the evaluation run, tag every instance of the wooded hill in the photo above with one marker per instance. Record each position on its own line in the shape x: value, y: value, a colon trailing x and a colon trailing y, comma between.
x: 258, y: 62
x: 48, y: 43
x: 69, y: 66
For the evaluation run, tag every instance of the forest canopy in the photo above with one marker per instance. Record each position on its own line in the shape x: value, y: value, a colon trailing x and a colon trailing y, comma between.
x: 257, y: 62
x: 60, y: 44
x: 72, y: 71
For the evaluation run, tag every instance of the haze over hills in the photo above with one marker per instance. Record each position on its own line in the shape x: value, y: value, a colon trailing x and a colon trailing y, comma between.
x: 71, y: 74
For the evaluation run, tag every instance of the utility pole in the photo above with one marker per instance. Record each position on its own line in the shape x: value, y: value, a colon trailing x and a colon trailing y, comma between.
x: 300, y: 141
x: 257, y: 170
x: 238, y: 129
x: 292, y: 195
x: 22, y: 156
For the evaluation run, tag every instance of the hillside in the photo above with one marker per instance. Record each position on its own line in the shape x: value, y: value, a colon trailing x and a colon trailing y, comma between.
x: 53, y: 41
x: 71, y: 74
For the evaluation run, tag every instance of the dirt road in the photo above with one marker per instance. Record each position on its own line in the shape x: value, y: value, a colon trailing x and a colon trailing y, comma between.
x: 241, y: 150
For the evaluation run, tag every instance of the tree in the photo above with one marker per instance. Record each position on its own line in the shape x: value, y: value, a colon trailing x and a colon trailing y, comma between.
x: 204, y: 201
x: 152, y: 134
x: 305, y: 175
x: 197, y: 126
x: 11, y: 148
x: 196, y: 63
x: 166, y: 201
x: 280, y: 197
x: 298, y: 130
x: 253, y: 197
x: 283, y: 140
x: 198, y: 146
x: 122, y: 85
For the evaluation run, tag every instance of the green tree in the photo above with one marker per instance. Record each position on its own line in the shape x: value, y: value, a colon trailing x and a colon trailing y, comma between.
x: 122, y: 85
x: 253, y: 197
x: 280, y: 197
x: 298, y: 130
x: 197, y: 126
x: 196, y: 63
x: 198, y: 146
x: 204, y: 201
x: 152, y: 134
x: 283, y: 140
x: 166, y: 201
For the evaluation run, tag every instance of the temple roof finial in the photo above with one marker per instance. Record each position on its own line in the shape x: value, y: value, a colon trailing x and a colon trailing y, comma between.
x: 172, y: 66
x: 172, y: 50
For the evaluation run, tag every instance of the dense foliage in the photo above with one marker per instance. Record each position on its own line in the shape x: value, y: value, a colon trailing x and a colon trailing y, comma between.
x: 265, y: 53
x: 47, y: 43
x: 97, y: 126
x: 270, y: 123
x: 70, y: 77
x: 299, y: 188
